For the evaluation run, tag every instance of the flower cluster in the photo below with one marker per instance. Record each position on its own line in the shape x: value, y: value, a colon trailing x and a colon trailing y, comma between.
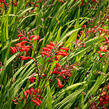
x: 105, y: 47
x: 103, y: 100
x: 21, y: 47
x: 82, y: 1
x: 3, y: 2
x: 30, y: 95
x: 62, y: 72
x: 35, y: 4
x: 54, y: 53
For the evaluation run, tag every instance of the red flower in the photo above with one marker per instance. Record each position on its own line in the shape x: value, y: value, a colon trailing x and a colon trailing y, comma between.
x: 15, y: 3
x: 57, y: 58
x: 25, y: 94
x: 64, y: 48
x: 59, y: 83
x: 93, y: 0
x: 28, y: 92
x: 46, y: 49
x: 25, y: 48
x: 62, y: 1
x: 55, y: 72
x: 52, y: 44
x: 106, y: 38
x: 103, y: 49
x: 20, y: 44
x: 36, y: 102
x: 45, y: 53
x: 62, y: 53
x: 13, y: 49
x: 23, y: 42
x: 36, y: 6
x: 22, y: 38
x: 95, y: 27
x: 2, y: 1
x: 19, y: 35
x: 89, y: 30
x: 25, y: 58
x: 99, y: 53
x: 35, y: 37
x: 83, y: 26
x: 40, y: 96
x: 58, y: 65
x: 33, y: 91
x: 108, y: 87
x: 106, y: 31
x: 82, y: 2
x: 81, y: 32
x: 100, y: 29
x: 32, y: 79
x: 49, y: 46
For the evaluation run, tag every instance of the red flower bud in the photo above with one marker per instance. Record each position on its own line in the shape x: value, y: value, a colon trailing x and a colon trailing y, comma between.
x: 83, y: 26
x: 59, y: 83
x: 49, y: 46
x: 106, y: 31
x: 108, y: 87
x: 25, y: 94
x: 19, y: 35
x: 93, y: 0
x: 99, y: 53
x: 58, y: 65
x: 64, y: 48
x: 22, y: 38
x: 35, y: 37
x: 52, y: 44
x: 36, y: 102
x: 106, y: 38
x: 46, y: 49
x: 40, y: 96
x: 89, y: 30
x: 25, y: 58
x: 28, y: 92
x: 44, y: 53
x: 32, y: 79
x: 13, y: 49
x: 62, y: 53
x: 103, y: 49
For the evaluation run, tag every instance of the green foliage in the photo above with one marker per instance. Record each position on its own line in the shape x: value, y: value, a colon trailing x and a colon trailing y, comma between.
x: 60, y: 23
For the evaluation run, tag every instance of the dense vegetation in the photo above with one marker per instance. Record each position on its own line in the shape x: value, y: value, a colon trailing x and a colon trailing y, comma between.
x: 54, y: 54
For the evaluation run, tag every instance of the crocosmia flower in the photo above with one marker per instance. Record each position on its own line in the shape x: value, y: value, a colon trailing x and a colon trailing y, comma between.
x: 59, y: 83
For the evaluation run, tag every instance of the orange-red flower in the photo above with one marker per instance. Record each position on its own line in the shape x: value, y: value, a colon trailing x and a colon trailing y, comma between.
x: 36, y: 102
x: 62, y: 53
x: 103, y: 49
x: 20, y: 44
x: 22, y: 38
x: 46, y: 49
x: 25, y: 58
x: 59, y: 83
x: 32, y: 79
x: 25, y: 48
x: 99, y: 53
x: 52, y: 44
x: 13, y: 49
x: 64, y: 48
x: 19, y: 35
x: 45, y: 53
x: 49, y: 46
x: 35, y: 37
